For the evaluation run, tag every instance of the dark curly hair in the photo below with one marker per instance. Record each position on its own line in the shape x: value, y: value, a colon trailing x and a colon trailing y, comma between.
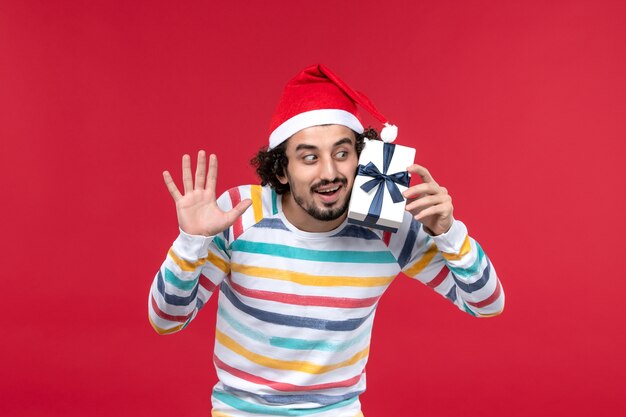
x: 270, y: 164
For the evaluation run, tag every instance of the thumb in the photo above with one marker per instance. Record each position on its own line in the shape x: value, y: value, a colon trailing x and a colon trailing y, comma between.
x: 238, y: 210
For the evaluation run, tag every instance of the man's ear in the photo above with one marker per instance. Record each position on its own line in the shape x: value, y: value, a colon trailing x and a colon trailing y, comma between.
x: 282, y: 179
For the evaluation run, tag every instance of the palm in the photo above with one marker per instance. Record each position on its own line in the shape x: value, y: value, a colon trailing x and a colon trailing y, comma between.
x: 197, y: 210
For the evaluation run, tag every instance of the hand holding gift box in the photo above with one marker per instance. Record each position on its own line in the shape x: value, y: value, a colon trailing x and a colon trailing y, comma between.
x: 376, y: 199
x: 429, y: 203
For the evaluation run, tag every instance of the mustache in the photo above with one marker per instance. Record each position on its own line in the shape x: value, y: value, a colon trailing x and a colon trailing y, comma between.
x: 343, y: 181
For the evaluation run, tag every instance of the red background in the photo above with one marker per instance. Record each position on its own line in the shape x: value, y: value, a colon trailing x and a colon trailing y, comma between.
x: 516, y: 107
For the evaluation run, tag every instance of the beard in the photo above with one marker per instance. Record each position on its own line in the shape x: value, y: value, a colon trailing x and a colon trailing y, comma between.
x: 326, y: 212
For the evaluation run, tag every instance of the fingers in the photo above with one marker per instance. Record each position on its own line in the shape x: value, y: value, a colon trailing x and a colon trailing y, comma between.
x: 187, y: 181
x: 439, y: 210
x: 422, y: 172
x: 200, y: 171
x: 429, y: 203
x: 211, y: 180
x: 427, y: 199
x: 423, y: 189
x: 421, y: 204
x: 171, y: 187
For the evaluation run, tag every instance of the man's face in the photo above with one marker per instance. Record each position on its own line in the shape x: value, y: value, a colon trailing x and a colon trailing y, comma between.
x: 320, y: 173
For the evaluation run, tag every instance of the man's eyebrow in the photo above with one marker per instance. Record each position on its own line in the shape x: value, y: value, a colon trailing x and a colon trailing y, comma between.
x: 305, y: 146
x: 342, y: 141
x: 313, y: 147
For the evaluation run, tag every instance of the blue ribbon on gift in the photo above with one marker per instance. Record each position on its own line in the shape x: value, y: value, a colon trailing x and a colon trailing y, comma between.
x: 378, y: 178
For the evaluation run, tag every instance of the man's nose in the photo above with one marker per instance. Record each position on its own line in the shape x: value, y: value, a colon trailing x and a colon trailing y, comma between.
x: 328, y: 169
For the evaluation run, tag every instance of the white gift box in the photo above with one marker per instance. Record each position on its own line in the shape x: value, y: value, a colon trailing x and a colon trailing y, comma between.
x: 361, y: 210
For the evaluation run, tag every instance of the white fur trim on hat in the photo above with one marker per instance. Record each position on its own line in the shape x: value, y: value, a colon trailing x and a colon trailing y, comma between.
x: 314, y: 118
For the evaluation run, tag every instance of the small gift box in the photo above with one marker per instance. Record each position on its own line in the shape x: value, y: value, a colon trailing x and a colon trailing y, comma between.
x: 376, y: 199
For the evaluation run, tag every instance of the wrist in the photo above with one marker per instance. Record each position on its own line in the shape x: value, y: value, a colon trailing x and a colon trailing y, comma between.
x: 191, y: 247
x: 452, y: 240
x: 439, y: 231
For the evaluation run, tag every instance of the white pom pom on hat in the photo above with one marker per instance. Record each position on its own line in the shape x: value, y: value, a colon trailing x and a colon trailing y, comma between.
x: 317, y: 96
x: 389, y: 133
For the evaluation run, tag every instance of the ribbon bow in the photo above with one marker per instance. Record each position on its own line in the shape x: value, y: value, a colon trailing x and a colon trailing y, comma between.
x: 378, y: 178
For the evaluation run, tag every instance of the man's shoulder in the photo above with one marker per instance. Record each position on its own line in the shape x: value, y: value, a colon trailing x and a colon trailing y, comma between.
x: 256, y: 193
x: 264, y: 206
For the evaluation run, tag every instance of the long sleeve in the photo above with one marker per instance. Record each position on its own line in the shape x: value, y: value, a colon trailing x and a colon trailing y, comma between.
x: 193, y: 269
x: 455, y: 266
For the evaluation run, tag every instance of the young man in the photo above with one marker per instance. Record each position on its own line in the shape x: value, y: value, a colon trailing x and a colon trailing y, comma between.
x: 299, y: 285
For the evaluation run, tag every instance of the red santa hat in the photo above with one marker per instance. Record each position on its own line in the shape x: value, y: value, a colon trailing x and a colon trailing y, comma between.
x: 317, y: 96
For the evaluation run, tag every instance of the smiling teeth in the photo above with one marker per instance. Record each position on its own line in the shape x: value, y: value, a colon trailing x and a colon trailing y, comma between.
x: 330, y: 190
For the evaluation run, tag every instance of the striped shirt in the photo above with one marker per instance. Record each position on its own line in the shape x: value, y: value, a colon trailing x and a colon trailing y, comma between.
x: 296, y: 309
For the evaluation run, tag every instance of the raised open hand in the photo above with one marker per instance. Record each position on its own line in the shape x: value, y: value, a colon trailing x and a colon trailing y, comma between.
x: 197, y: 210
x: 429, y: 202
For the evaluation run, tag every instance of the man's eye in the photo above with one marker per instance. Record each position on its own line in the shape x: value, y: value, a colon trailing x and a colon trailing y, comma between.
x: 309, y: 158
x: 342, y: 154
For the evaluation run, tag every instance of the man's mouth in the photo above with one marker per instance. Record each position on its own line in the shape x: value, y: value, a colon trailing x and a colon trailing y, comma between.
x: 329, y: 193
x: 327, y: 190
